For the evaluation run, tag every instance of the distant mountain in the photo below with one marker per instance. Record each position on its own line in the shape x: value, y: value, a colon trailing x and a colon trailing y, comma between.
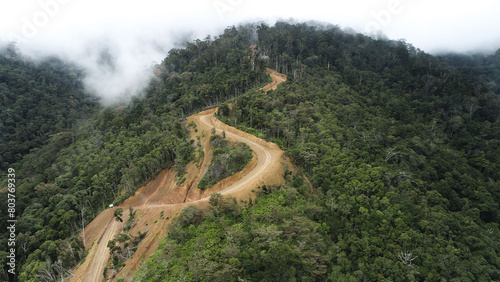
x: 487, y: 67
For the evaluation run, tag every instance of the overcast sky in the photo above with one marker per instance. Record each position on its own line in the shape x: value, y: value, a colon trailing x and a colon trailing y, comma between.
x: 137, y: 33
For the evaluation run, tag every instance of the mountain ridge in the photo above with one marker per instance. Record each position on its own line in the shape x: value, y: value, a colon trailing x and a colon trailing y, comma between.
x: 400, y: 146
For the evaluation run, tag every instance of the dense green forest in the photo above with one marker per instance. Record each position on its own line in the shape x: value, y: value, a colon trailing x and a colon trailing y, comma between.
x: 486, y: 68
x: 401, y: 148
x: 227, y: 159
x: 37, y: 100
x: 77, y: 157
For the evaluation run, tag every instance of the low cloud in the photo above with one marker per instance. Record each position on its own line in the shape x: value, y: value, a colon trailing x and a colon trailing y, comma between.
x: 117, y: 52
x: 117, y: 66
x: 117, y: 42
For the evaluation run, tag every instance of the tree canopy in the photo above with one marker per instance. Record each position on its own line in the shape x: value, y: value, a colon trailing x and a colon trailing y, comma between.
x: 401, y: 149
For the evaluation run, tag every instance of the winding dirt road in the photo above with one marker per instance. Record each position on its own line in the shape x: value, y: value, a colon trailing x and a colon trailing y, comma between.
x: 162, y: 197
x: 264, y: 155
x: 277, y: 79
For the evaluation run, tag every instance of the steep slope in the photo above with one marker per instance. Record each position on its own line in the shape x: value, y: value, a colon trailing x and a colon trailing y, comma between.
x: 38, y: 100
x: 102, y: 156
x: 403, y: 151
x: 402, y: 147
x: 164, y: 195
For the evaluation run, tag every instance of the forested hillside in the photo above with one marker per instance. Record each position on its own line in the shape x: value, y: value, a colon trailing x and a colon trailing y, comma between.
x: 85, y: 159
x: 485, y: 67
x: 402, y: 151
x: 36, y: 101
x: 400, y: 147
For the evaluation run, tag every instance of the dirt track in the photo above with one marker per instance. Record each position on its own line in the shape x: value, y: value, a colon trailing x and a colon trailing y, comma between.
x: 163, y: 195
x: 277, y: 79
x: 99, y: 252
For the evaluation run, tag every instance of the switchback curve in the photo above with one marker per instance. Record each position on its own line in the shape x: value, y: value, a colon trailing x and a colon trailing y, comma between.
x: 268, y: 170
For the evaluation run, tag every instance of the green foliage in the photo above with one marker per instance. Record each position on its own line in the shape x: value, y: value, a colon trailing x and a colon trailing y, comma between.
x: 37, y: 100
x: 401, y: 147
x: 206, y: 73
x: 276, y: 239
x: 130, y: 220
x: 485, y: 67
x: 190, y: 215
x: 118, y: 214
x: 123, y: 246
x: 74, y: 156
x: 226, y: 160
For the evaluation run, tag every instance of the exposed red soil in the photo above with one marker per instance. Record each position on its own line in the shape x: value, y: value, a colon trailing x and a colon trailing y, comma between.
x: 163, y: 194
x: 277, y: 79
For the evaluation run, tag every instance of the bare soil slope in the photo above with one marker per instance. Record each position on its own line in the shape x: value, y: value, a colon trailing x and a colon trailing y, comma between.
x: 162, y: 194
x: 277, y: 79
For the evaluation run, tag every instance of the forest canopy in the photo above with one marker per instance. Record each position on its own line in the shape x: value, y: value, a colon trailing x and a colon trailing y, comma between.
x: 74, y: 157
x: 401, y: 149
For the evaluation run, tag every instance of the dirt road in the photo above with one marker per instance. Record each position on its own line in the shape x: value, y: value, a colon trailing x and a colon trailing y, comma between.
x: 163, y: 196
x: 99, y: 254
x: 264, y: 156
